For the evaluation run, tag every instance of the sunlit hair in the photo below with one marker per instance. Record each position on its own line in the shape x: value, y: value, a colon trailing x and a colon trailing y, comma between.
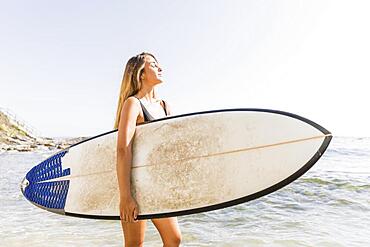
x: 131, y: 82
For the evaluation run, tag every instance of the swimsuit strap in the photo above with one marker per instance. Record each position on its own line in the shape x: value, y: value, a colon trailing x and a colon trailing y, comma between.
x: 147, y: 115
x: 165, y: 108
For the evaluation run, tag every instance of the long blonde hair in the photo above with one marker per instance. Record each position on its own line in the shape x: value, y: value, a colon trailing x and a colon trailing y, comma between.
x: 131, y: 81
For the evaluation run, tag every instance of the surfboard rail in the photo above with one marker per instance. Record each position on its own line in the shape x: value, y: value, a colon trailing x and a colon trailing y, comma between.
x: 55, y: 173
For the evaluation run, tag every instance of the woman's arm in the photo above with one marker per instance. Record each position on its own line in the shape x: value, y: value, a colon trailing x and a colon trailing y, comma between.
x: 126, y: 131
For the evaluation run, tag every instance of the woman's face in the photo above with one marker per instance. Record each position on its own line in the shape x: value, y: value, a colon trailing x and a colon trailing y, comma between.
x: 152, y: 71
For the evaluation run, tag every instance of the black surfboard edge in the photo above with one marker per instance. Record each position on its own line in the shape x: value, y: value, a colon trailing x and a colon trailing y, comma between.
x: 317, y: 126
x: 241, y: 200
x: 53, y: 210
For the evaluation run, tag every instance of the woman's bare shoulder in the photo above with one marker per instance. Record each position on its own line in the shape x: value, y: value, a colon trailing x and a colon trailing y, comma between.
x: 132, y: 106
x: 131, y: 102
x: 132, y: 99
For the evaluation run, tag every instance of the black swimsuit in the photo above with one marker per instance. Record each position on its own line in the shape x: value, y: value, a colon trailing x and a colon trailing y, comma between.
x: 147, y: 115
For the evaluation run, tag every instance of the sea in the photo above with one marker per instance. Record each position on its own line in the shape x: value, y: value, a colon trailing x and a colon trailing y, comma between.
x: 327, y: 206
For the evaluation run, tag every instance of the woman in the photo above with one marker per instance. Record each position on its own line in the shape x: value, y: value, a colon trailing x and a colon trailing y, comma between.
x: 137, y: 99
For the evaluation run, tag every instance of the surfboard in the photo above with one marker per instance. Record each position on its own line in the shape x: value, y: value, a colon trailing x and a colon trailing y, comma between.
x: 181, y: 164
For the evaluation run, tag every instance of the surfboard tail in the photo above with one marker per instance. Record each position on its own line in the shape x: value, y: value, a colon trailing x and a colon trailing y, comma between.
x: 48, y: 195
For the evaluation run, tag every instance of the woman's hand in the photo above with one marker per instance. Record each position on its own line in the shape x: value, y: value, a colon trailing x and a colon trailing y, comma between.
x: 128, y: 209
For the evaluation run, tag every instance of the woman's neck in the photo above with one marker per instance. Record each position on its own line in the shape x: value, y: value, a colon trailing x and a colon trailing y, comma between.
x: 147, y: 95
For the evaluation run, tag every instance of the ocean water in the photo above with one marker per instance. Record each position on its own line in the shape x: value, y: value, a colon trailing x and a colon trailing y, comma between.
x: 328, y: 206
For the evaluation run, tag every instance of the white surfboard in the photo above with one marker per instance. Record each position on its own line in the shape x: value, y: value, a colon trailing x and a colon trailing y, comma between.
x: 182, y: 164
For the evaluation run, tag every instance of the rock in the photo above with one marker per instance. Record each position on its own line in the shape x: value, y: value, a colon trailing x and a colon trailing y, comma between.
x: 14, y: 137
x: 33, y: 145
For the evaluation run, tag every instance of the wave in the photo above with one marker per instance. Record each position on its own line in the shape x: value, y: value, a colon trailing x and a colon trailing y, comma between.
x: 336, y: 184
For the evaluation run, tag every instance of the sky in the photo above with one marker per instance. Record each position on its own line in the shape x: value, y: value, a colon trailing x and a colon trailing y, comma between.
x: 62, y: 62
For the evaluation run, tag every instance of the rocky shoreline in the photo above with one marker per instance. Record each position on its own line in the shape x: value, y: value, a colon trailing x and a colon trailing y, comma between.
x: 29, y: 144
x: 15, y: 137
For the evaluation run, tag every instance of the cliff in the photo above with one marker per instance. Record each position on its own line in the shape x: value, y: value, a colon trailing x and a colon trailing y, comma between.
x: 15, y: 136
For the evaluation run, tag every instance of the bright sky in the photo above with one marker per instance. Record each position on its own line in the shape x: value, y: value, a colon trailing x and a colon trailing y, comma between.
x: 62, y: 61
